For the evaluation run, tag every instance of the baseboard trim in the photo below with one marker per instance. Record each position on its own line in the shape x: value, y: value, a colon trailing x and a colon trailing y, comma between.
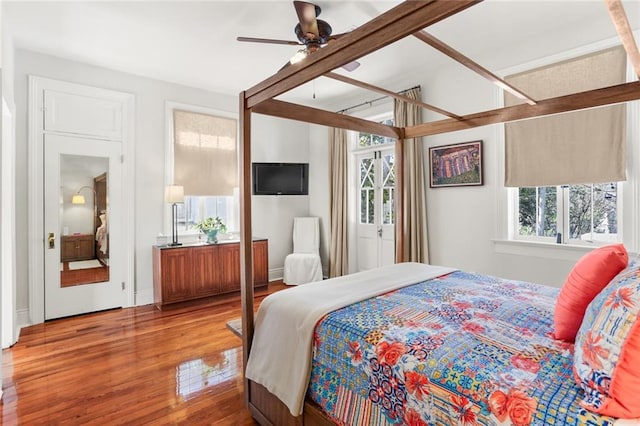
x: 22, y: 318
x: 276, y: 274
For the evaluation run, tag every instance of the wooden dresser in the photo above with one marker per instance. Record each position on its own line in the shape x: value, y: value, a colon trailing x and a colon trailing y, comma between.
x: 201, y: 270
x: 77, y: 247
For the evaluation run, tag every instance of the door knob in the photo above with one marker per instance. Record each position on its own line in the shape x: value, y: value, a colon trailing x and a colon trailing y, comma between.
x: 52, y: 241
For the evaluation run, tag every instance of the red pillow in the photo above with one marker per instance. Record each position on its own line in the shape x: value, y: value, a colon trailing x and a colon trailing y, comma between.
x: 588, y: 277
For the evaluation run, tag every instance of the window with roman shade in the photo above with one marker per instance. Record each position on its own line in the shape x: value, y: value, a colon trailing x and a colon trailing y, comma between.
x: 568, y: 168
x: 205, y: 156
x: 586, y: 146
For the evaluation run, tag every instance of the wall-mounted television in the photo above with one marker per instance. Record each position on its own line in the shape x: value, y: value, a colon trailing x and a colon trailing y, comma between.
x: 280, y: 178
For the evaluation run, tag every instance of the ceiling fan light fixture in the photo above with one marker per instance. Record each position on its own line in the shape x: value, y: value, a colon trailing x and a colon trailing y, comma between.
x: 300, y: 55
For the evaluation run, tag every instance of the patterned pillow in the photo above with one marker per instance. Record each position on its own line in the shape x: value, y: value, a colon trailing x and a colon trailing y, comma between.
x: 607, y: 350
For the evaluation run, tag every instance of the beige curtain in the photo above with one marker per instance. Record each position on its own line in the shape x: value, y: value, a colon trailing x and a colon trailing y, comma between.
x: 416, y: 248
x: 585, y: 146
x: 338, y: 157
x: 205, y: 159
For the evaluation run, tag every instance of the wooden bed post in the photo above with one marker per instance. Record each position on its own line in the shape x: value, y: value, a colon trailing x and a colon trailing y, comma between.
x: 399, y: 201
x: 246, y: 237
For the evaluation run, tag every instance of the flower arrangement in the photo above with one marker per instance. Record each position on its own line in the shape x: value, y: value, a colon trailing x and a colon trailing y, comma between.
x: 211, y: 226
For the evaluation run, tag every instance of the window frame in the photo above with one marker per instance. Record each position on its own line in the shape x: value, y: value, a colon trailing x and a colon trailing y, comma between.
x: 506, y: 217
x: 170, y: 106
x: 563, y: 221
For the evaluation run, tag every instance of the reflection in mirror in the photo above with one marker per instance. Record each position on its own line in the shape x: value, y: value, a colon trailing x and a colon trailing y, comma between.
x: 84, y: 242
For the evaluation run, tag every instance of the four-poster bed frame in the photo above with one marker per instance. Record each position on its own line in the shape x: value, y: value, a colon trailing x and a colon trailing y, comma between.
x: 408, y: 18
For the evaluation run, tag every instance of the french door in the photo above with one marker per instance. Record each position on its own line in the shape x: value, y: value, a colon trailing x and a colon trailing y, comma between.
x: 376, y: 198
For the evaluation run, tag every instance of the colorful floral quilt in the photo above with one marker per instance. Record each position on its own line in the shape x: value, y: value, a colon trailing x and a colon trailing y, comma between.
x: 462, y: 349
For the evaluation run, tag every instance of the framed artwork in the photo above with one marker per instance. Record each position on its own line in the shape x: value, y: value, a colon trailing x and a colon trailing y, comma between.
x: 456, y: 165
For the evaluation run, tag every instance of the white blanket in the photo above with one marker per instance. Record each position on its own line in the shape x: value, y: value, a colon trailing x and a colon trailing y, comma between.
x: 280, y: 358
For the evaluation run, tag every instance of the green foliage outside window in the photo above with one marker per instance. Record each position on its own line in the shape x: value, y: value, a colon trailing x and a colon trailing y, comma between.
x: 592, y: 210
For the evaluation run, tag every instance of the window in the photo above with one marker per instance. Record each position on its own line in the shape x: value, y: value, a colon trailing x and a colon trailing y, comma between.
x: 377, y: 182
x: 196, y: 208
x: 388, y: 188
x: 367, y: 139
x: 551, y: 162
x: 569, y: 214
x: 203, y: 159
x: 367, y: 191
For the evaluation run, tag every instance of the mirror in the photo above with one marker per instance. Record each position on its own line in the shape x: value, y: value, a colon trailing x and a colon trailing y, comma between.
x: 84, y: 232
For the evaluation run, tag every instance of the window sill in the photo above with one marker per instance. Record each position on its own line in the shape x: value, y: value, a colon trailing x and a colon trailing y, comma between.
x: 569, y: 252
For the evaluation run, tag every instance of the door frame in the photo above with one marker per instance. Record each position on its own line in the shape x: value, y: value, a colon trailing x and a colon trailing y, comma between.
x: 9, y: 322
x: 35, y: 210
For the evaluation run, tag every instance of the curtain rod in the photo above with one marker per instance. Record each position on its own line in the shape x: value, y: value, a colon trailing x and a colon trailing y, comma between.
x: 376, y: 100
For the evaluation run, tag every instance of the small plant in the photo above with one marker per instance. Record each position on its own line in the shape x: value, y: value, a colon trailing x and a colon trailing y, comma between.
x: 211, y: 224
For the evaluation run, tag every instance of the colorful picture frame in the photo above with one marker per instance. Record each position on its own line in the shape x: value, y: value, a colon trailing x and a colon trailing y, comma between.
x: 456, y: 165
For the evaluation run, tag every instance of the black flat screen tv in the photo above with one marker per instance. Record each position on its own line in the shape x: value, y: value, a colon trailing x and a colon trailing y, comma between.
x: 280, y: 178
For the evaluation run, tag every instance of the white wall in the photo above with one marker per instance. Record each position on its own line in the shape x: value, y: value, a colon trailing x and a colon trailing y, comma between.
x: 319, y: 187
x: 278, y: 140
x: 285, y: 141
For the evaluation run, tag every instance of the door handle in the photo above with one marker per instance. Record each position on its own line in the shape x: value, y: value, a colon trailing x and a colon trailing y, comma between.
x: 52, y: 241
x: 380, y: 232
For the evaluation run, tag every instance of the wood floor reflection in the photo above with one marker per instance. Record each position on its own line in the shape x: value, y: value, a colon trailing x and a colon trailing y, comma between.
x: 69, y: 278
x: 131, y: 366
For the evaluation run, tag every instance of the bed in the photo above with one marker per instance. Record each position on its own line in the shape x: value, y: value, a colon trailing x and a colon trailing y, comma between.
x: 407, y: 18
x: 440, y: 347
x: 461, y: 348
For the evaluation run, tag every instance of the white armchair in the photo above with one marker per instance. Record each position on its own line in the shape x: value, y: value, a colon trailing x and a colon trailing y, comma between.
x: 304, y: 265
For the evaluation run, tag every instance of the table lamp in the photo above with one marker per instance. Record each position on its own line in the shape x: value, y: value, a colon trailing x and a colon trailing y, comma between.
x: 174, y: 194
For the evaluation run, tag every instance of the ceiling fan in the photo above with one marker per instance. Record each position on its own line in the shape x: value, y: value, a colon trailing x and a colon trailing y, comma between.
x: 311, y: 32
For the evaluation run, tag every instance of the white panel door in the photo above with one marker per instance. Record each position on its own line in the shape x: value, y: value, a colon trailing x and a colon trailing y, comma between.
x: 83, y: 273
x: 375, y: 230
x: 82, y: 115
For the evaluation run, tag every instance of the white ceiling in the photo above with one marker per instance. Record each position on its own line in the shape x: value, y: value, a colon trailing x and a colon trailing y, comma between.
x: 194, y: 43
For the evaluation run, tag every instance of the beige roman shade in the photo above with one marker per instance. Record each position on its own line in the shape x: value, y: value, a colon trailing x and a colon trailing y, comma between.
x: 205, y: 159
x: 585, y: 146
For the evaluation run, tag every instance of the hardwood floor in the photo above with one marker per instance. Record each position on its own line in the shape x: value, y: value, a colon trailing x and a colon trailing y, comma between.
x: 132, y: 366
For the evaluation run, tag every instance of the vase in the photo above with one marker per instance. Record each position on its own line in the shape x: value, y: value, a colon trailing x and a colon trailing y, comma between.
x: 212, y: 236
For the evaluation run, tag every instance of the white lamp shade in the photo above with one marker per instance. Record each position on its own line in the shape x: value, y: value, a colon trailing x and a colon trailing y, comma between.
x: 77, y: 199
x: 174, y: 194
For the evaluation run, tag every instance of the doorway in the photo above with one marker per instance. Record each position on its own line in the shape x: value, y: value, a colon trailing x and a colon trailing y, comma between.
x: 375, y: 204
x: 81, y: 207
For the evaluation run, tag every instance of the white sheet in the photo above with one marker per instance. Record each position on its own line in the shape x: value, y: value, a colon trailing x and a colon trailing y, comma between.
x: 280, y: 358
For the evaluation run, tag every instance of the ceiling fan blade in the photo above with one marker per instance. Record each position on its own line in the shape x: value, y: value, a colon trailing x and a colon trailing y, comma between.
x: 307, y: 13
x: 351, y: 65
x: 268, y: 40
x: 285, y: 66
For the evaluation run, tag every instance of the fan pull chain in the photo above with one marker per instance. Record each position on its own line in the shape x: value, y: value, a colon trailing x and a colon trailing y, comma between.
x: 314, y: 89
